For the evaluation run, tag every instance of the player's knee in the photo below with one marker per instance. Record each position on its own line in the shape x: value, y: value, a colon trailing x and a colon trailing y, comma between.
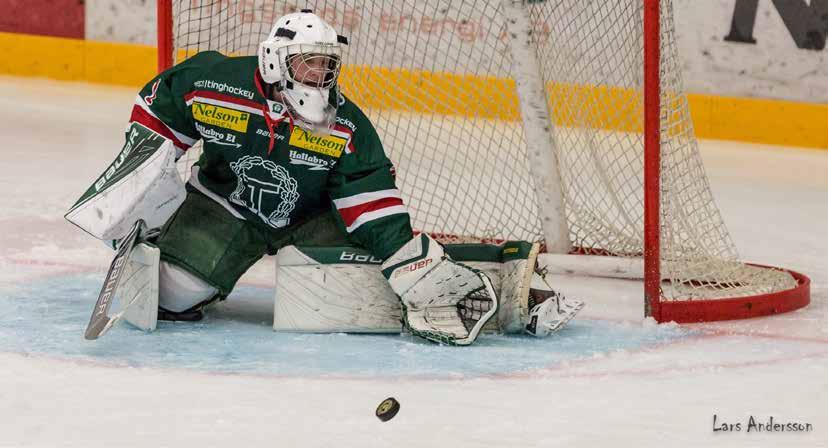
x: 179, y: 290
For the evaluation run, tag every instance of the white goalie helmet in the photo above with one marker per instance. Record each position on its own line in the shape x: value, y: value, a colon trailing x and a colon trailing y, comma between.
x: 301, y: 57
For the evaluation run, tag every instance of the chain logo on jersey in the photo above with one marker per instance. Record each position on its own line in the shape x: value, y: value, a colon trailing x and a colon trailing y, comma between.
x: 329, y: 145
x: 149, y: 99
x: 272, y: 198
x: 221, y: 116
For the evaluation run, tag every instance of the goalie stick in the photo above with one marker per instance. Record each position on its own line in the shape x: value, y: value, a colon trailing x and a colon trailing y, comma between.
x: 100, y: 322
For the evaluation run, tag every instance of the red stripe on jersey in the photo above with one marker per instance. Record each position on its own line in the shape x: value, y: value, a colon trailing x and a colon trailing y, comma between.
x: 257, y: 79
x: 350, y: 214
x: 341, y: 128
x: 143, y: 117
x: 223, y: 97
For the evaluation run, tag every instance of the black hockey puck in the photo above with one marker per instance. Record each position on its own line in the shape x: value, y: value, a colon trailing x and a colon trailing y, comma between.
x: 388, y: 409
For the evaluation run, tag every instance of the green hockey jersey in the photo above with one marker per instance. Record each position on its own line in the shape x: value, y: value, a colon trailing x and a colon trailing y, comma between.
x: 261, y: 167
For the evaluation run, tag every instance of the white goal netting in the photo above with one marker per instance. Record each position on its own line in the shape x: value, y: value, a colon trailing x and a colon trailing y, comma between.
x: 435, y: 77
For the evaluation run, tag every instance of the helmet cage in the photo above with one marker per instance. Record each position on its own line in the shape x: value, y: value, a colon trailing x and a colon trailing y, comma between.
x: 312, y: 65
x: 310, y: 73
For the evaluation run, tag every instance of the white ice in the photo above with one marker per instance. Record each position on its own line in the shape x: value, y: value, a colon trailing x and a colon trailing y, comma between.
x: 611, y: 379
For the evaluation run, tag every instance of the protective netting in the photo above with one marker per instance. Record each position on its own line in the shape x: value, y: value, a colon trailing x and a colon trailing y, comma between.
x: 435, y: 77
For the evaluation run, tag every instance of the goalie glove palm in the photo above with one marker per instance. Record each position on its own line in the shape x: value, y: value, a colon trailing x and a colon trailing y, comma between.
x: 443, y: 301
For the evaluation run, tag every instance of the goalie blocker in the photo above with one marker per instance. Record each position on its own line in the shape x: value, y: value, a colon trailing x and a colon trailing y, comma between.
x: 342, y: 289
x: 141, y: 184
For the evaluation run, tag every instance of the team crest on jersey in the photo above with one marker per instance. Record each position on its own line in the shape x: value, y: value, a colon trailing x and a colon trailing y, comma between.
x: 276, y: 107
x: 221, y: 116
x: 331, y: 145
x: 266, y: 189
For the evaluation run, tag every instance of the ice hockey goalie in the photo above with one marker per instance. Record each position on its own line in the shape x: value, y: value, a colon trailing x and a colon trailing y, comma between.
x: 287, y: 161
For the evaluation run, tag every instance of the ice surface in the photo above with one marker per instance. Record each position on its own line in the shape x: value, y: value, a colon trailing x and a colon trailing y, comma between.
x: 48, y: 317
x: 610, y: 379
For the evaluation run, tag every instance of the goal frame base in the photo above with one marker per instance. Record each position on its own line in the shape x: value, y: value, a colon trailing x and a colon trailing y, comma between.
x: 760, y: 305
x: 599, y: 264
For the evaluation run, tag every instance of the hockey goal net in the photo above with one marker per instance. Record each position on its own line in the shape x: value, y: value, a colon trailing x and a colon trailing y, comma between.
x: 449, y: 87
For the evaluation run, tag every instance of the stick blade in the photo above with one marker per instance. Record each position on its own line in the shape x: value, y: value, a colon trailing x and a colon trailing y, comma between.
x: 97, y: 328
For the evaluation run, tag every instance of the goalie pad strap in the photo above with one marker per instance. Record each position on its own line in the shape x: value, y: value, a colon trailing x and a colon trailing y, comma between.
x: 139, y: 295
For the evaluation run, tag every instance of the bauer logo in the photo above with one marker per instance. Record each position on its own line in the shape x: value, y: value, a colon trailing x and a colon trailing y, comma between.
x: 140, y: 145
x: 412, y: 267
x: 329, y: 145
x: 221, y: 116
x: 352, y: 257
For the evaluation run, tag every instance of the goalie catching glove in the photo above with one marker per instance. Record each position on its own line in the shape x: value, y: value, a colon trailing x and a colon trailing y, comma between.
x: 443, y: 301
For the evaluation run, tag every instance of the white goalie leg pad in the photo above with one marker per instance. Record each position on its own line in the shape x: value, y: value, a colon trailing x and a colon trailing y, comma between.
x: 516, y: 271
x: 333, y: 289
x: 139, y: 291
x: 341, y: 289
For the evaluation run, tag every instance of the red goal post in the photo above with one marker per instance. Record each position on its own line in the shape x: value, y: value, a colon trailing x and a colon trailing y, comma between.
x: 652, y: 200
x: 689, y: 311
